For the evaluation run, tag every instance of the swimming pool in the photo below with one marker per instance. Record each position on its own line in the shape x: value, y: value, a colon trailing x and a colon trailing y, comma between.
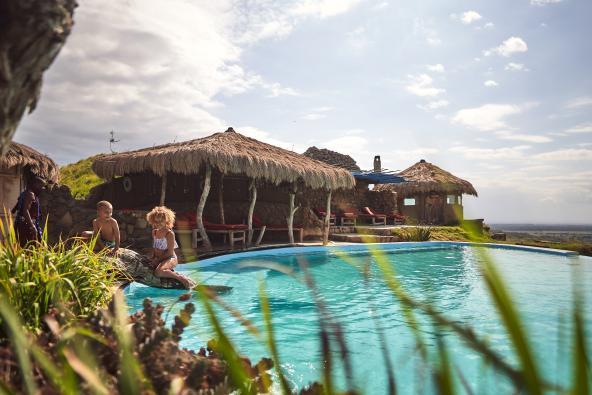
x: 446, y: 274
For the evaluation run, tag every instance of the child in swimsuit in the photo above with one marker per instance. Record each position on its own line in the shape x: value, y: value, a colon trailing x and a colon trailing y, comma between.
x: 106, y: 227
x: 163, y: 257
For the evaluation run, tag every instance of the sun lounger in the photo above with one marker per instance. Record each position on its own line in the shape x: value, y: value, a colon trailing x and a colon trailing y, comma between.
x: 348, y: 217
x: 235, y: 232
x: 375, y: 219
x: 321, y: 214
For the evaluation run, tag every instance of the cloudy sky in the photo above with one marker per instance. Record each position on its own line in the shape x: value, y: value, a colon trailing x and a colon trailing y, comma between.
x: 498, y: 92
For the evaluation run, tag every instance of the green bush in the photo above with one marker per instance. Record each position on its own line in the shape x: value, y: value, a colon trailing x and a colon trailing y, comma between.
x: 79, y: 177
x: 40, y: 276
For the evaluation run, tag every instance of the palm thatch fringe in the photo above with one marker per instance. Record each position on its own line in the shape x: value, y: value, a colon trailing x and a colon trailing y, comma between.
x: 425, y: 177
x: 36, y: 163
x: 229, y: 153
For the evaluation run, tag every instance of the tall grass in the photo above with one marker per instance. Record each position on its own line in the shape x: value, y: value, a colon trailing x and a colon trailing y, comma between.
x: 40, y: 276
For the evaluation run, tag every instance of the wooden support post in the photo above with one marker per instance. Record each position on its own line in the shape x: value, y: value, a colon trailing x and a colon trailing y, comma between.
x: 221, y: 199
x: 292, y: 211
x: 253, y: 189
x: 327, y: 220
x: 163, y: 189
x: 200, y: 208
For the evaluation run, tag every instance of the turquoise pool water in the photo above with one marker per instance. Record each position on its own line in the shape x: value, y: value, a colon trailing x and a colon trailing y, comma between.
x: 446, y: 274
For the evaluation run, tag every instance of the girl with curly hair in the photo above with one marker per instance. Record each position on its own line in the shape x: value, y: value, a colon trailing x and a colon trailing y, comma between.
x: 164, y: 258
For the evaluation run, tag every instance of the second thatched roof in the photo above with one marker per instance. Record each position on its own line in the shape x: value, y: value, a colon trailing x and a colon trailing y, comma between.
x: 230, y: 153
x: 425, y: 177
x: 332, y: 157
x: 33, y: 162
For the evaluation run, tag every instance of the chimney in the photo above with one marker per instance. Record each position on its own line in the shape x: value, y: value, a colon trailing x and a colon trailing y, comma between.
x: 230, y: 130
x: 377, y: 164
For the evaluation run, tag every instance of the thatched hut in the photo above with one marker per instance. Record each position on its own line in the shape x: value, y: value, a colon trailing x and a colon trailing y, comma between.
x: 332, y: 157
x: 430, y: 194
x: 16, y: 166
x: 228, y: 159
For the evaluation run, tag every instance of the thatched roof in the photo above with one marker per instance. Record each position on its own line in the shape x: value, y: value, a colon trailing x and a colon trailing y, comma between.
x: 425, y: 177
x: 35, y: 162
x: 333, y: 158
x: 229, y: 153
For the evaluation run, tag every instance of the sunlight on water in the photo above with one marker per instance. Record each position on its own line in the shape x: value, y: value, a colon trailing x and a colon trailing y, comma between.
x: 448, y: 277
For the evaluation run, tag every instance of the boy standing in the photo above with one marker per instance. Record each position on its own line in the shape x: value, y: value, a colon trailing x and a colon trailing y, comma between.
x: 106, y: 227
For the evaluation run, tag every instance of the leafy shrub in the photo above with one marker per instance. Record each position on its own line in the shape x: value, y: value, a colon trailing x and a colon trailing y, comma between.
x: 40, y: 276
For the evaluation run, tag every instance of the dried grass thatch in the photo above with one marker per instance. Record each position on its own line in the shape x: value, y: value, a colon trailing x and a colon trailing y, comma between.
x: 229, y: 153
x: 33, y: 161
x: 424, y: 177
x: 333, y: 158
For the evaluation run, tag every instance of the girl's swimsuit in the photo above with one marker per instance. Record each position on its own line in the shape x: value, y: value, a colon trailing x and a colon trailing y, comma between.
x: 160, y: 243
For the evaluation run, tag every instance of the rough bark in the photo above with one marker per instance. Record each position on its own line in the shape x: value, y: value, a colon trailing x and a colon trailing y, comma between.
x: 253, y: 189
x: 163, y: 189
x: 32, y: 32
x: 291, y: 211
x: 221, y: 199
x: 200, y: 209
x: 327, y: 220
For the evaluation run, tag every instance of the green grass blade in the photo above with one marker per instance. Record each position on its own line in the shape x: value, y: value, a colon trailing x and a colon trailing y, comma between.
x: 513, y: 325
x: 270, y: 338
x: 581, y: 364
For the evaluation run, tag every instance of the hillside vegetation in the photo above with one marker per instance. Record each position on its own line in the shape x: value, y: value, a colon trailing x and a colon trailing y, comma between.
x: 79, y: 177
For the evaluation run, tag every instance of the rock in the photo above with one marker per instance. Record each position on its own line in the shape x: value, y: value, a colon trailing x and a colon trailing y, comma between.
x: 65, y: 221
x: 138, y: 268
x: 123, y: 235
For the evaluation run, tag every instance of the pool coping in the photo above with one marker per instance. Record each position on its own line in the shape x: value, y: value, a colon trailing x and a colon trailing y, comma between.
x: 297, y: 250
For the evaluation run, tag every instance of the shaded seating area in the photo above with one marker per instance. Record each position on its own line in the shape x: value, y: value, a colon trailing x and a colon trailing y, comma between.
x: 374, y: 218
x: 322, y: 213
x: 263, y: 227
x: 191, y: 167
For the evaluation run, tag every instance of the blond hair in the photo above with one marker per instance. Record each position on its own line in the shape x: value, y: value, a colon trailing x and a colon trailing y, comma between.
x: 161, y: 214
x: 104, y: 203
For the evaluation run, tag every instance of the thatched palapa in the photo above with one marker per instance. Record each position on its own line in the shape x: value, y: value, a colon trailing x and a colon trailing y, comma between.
x: 333, y: 158
x: 19, y: 155
x: 424, y: 177
x: 229, y: 153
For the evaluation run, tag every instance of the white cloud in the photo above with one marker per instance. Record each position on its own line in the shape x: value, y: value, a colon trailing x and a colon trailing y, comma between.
x: 423, y: 28
x: 515, y: 67
x: 581, y: 128
x: 469, y: 17
x: 488, y: 117
x: 436, y: 68
x: 544, y: 2
x: 434, y: 105
x: 569, y: 154
x: 488, y: 25
x: 528, y: 138
x: 349, y: 144
x: 380, y: 6
x: 579, y: 102
x: 421, y: 85
x: 490, y: 83
x: 323, y: 8
x: 505, y: 153
x: 511, y: 46
x: 413, y: 155
x: 266, y: 137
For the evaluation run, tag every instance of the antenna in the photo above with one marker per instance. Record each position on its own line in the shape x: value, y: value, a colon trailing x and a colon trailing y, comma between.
x: 111, y: 141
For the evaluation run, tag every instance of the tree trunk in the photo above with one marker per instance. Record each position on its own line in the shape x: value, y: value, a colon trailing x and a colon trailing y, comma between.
x: 200, y: 208
x: 221, y: 199
x: 253, y: 189
x: 31, y: 35
x: 292, y: 211
x: 163, y: 189
x: 327, y: 220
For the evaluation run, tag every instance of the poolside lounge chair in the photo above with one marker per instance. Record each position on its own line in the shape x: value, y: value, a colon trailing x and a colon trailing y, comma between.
x: 348, y: 217
x: 375, y: 219
x: 235, y: 232
x: 258, y: 225
x: 321, y: 214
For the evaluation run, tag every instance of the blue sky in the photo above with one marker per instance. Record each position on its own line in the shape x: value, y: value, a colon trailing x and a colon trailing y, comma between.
x: 497, y: 92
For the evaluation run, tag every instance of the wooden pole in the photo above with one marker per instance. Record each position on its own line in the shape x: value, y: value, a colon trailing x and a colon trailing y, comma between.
x: 253, y: 189
x: 292, y: 211
x: 221, y: 199
x: 327, y: 220
x: 200, y: 208
x: 163, y: 189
